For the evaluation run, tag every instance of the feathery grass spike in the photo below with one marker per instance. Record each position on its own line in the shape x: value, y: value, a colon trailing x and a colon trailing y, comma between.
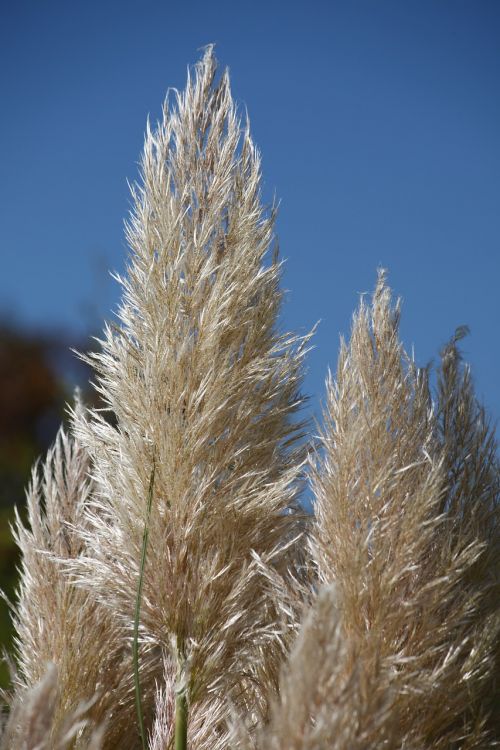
x: 198, y: 367
x: 398, y: 646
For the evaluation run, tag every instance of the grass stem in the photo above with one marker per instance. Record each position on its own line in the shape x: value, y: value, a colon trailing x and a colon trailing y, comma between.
x: 135, y: 644
x: 181, y: 720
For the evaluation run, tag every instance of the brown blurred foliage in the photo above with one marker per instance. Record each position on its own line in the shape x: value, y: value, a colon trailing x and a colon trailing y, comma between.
x: 38, y: 373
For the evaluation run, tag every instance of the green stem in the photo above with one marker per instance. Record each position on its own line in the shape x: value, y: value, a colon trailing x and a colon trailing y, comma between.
x: 181, y: 720
x: 135, y: 643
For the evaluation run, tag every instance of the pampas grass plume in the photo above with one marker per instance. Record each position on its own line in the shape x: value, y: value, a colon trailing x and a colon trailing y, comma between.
x: 172, y: 592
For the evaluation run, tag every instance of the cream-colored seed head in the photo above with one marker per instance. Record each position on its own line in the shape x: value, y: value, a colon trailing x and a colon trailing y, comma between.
x: 379, y: 630
x: 398, y: 647
x: 407, y: 528
x: 60, y: 628
x: 204, y: 388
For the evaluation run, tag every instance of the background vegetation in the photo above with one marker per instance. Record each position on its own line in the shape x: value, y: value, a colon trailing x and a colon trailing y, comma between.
x: 38, y: 374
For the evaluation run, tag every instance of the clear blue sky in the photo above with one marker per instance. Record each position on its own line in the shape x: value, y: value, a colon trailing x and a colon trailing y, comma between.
x: 379, y: 126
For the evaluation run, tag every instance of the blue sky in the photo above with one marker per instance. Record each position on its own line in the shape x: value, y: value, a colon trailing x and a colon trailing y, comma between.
x: 379, y: 127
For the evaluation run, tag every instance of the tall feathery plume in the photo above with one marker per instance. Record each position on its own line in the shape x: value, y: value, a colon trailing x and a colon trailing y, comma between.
x: 57, y: 624
x: 471, y: 505
x: 204, y: 389
x: 325, y: 701
x: 32, y: 717
x: 389, y: 536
